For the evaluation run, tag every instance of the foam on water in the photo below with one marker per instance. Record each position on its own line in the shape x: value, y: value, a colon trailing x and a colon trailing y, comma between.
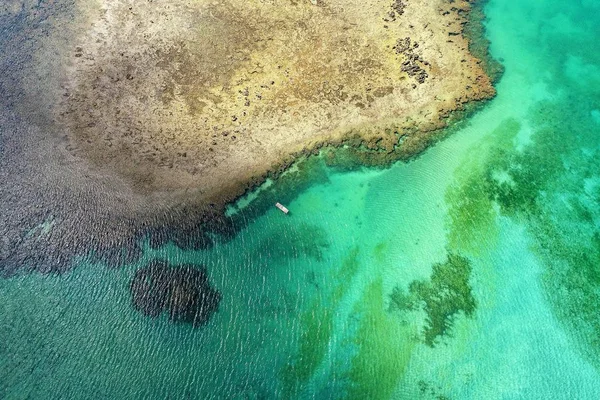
x: 468, y: 273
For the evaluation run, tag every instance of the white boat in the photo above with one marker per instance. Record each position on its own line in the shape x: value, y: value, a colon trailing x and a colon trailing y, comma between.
x: 282, y: 208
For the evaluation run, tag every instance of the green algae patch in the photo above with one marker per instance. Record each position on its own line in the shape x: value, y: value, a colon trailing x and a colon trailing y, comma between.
x: 445, y: 296
x: 317, y: 327
x: 316, y: 330
x: 549, y: 182
x: 516, y: 178
x: 471, y: 221
x: 384, y: 347
x: 345, y: 274
x: 379, y: 251
x: 471, y: 213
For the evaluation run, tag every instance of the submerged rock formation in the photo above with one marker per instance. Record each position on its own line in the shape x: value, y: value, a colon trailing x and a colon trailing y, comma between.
x: 443, y: 298
x: 184, y: 292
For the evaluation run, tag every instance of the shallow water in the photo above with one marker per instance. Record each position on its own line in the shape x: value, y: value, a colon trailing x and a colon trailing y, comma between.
x: 469, y: 273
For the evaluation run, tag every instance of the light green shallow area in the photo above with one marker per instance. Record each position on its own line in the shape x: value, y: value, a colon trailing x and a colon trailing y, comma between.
x: 472, y: 272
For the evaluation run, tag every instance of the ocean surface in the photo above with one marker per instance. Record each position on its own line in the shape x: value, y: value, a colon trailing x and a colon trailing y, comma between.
x: 472, y: 272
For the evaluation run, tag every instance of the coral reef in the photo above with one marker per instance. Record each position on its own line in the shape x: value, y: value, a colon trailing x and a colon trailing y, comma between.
x: 446, y: 295
x: 184, y: 292
x: 126, y: 121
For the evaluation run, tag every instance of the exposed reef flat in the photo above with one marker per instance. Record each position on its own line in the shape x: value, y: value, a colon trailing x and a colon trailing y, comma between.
x: 128, y: 119
x: 208, y: 96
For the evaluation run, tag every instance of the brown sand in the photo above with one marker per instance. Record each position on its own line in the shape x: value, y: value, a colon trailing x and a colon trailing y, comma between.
x: 205, y: 97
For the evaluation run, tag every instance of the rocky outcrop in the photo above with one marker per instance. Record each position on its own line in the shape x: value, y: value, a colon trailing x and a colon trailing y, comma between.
x: 183, y: 292
x: 207, y: 97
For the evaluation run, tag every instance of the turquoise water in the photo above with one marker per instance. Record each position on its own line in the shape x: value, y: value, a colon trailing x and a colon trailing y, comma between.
x: 472, y: 272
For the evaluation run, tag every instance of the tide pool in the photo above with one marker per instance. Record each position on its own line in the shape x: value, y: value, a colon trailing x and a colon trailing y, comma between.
x: 472, y: 272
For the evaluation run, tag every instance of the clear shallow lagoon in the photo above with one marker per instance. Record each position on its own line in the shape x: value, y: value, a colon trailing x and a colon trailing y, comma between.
x: 472, y: 272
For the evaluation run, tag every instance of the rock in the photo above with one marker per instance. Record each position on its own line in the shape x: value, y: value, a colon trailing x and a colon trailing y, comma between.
x: 184, y: 292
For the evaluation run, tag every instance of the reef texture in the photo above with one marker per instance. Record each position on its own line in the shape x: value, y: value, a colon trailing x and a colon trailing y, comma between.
x: 184, y: 292
x: 208, y: 97
x: 125, y: 120
x: 443, y: 298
